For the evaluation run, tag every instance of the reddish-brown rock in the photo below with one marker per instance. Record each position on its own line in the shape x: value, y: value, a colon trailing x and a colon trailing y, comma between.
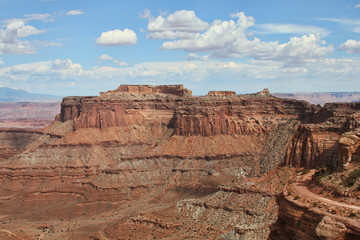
x: 146, y: 161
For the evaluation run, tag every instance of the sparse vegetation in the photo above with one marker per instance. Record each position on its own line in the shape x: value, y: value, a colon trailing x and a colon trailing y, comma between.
x: 323, y: 171
x: 306, y: 171
x: 296, y: 197
x: 353, y: 176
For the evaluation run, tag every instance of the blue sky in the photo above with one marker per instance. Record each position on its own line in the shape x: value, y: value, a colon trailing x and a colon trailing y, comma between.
x: 83, y: 47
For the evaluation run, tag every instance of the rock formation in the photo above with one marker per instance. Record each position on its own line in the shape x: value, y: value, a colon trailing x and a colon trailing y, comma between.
x: 349, y: 142
x: 147, y: 161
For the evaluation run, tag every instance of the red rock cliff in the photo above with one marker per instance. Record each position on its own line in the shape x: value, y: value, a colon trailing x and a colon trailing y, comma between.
x: 316, y: 140
x: 220, y: 112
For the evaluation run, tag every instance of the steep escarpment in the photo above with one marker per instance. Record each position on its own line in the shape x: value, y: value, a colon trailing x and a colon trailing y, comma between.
x: 154, y: 161
x: 316, y: 140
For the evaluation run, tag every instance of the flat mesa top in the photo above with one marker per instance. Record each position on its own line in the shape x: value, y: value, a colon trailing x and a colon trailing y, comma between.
x: 166, y: 90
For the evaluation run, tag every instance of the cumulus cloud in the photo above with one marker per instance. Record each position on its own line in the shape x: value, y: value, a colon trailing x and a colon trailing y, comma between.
x: 357, y: 5
x: 10, y: 41
x: 117, y: 38
x: 273, y: 28
x: 75, y: 12
x: 351, y: 46
x: 17, y: 29
x: 105, y: 57
x: 14, y: 30
x: 228, y: 39
x: 220, y: 35
x: 1, y: 62
x: 65, y: 65
x: 180, y: 24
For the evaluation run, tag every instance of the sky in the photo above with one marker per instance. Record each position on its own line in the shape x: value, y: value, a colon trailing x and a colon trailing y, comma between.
x: 82, y: 47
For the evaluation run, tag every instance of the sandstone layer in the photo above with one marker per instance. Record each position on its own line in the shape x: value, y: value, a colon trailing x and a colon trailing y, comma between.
x: 141, y: 162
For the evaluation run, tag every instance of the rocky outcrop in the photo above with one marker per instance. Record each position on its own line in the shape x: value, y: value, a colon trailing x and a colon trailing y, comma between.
x: 176, y: 90
x: 221, y: 93
x: 330, y: 229
x: 304, y: 221
x: 349, y: 142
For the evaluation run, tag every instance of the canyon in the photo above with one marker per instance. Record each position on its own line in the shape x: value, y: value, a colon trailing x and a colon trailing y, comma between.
x: 28, y: 114
x: 156, y: 162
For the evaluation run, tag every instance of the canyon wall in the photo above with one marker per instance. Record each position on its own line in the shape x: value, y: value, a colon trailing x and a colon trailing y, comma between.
x: 155, y: 161
x: 316, y: 141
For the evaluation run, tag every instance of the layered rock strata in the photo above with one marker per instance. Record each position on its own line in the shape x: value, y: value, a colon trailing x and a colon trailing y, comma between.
x: 154, y: 161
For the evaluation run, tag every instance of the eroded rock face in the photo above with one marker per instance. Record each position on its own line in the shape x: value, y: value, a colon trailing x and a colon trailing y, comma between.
x: 154, y: 161
x: 299, y: 220
x: 330, y: 229
x: 349, y: 142
x: 316, y: 142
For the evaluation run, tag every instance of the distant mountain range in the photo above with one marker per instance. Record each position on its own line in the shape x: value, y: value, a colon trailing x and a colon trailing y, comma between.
x: 13, y: 95
x: 322, y: 97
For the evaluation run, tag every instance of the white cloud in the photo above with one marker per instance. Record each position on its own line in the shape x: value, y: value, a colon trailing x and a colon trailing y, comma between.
x: 220, y: 35
x: 45, y: 17
x: 117, y: 38
x: 146, y: 14
x: 65, y: 65
x: 347, y: 23
x: 75, y: 12
x: 17, y: 29
x: 351, y: 46
x: 180, y: 24
x: 105, y: 57
x: 68, y: 78
x: 1, y: 62
x: 9, y: 38
x: 120, y: 63
x: 51, y: 77
x: 13, y: 30
x: 273, y: 28
x: 229, y: 39
x: 357, y: 5
x: 195, y: 57
x: 41, y: 44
